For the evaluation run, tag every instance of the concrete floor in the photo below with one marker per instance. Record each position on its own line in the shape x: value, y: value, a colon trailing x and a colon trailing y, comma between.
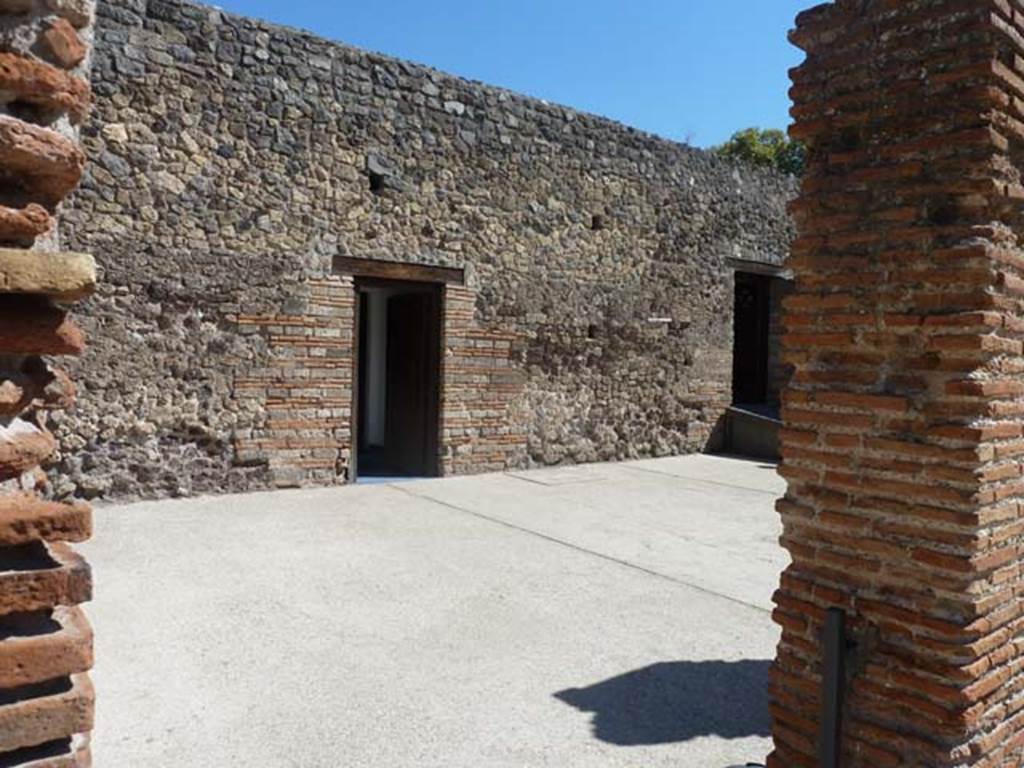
x: 610, y: 615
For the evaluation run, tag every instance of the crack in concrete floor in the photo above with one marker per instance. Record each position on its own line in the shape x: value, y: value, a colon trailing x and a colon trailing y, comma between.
x: 585, y: 550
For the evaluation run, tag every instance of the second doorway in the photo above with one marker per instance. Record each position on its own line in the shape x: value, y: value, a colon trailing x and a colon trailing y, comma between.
x: 398, y: 388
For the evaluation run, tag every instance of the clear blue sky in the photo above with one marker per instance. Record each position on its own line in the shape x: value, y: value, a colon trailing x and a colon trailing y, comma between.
x: 693, y: 70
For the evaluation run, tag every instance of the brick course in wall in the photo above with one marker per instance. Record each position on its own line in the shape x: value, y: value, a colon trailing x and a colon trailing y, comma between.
x: 903, y: 420
x: 484, y: 388
x: 236, y: 160
x: 301, y: 395
x: 305, y: 397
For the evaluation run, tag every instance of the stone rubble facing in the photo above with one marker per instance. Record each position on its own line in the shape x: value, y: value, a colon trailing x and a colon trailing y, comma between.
x: 234, y: 160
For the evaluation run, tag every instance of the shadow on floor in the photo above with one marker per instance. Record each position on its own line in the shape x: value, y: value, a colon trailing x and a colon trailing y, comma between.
x: 677, y: 701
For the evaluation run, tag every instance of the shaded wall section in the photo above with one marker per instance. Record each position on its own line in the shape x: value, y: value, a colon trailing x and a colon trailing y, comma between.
x: 235, y: 160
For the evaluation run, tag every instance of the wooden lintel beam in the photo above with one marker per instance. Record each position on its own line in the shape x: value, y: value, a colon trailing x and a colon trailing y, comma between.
x: 394, y: 270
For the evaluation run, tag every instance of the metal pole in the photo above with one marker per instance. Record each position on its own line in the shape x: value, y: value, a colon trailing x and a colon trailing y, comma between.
x: 833, y: 678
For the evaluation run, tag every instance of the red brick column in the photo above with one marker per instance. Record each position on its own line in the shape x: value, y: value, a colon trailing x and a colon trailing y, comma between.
x: 46, y: 700
x: 902, y: 444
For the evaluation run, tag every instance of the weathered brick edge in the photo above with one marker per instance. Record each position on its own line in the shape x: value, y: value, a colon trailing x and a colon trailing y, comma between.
x: 903, y: 422
x: 46, y: 698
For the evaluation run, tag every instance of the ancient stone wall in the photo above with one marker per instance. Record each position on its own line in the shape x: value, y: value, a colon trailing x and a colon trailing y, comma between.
x: 235, y: 160
x: 46, y: 699
x: 903, y: 439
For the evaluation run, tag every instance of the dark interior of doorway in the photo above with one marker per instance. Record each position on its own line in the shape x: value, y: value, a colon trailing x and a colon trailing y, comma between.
x: 398, y: 380
x: 751, y: 341
x: 752, y: 422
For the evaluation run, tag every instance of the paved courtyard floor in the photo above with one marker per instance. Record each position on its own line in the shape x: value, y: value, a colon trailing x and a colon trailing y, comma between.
x: 605, y: 616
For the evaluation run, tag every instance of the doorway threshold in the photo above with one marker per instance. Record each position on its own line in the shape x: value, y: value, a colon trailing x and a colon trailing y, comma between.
x: 385, y: 480
x: 752, y: 430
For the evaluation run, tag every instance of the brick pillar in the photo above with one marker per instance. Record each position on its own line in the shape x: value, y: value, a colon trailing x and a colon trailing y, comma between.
x: 903, y: 422
x: 46, y: 701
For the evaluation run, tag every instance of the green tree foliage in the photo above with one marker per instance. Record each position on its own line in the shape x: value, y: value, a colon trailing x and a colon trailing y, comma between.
x: 766, y: 148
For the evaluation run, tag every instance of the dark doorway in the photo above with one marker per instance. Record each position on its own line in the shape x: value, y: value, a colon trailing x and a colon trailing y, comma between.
x: 751, y: 340
x: 398, y: 379
x: 752, y: 422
